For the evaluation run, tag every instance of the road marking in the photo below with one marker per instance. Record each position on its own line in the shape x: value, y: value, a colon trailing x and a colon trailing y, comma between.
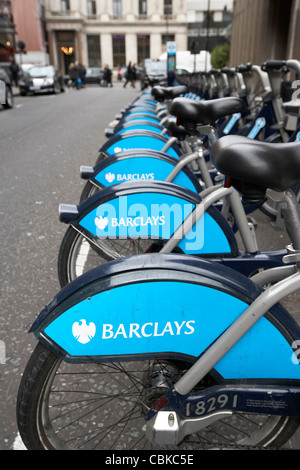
x: 18, y: 443
x: 82, y: 257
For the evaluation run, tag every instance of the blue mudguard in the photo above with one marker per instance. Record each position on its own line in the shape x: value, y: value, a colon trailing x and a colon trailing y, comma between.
x: 170, y: 307
x: 141, y: 165
x: 139, y: 139
x: 151, y: 210
x: 138, y: 125
x: 138, y: 117
x: 146, y: 110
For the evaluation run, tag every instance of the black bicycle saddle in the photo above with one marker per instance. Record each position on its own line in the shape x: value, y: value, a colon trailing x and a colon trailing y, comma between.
x: 205, y: 112
x: 168, y: 93
x: 257, y: 164
x: 175, y: 130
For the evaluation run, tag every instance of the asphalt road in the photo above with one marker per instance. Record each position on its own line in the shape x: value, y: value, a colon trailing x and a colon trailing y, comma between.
x: 43, y: 142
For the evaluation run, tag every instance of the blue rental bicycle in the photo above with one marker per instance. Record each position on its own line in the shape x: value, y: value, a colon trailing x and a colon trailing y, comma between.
x: 168, y: 351
x: 151, y: 216
x: 266, y: 121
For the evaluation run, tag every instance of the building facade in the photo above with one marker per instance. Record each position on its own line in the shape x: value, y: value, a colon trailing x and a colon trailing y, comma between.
x: 264, y: 30
x: 7, y: 32
x: 113, y: 32
x: 208, y: 23
x: 28, y: 18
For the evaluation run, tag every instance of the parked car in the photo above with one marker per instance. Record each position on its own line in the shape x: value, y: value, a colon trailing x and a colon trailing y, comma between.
x: 123, y: 70
x: 154, y: 72
x: 94, y: 75
x: 41, y: 79
x: 8, y: 100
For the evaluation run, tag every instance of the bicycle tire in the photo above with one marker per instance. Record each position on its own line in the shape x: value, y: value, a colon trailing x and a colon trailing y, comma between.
x: 9, y: 98
x: 88, y: 190
x: 52, y: 416
x: 270, y: 209
x: 77, y: 255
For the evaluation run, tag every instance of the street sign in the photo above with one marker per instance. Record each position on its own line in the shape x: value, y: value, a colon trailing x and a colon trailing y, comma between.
x: 171, y: 47
x: 171, y: 62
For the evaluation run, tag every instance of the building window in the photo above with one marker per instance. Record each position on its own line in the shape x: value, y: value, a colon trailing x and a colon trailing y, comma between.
x: 142, y: 7
x: 168, y: 7
x: 94, y: 54
x: 117, y: 8
x: 227, y: 15
x: 143, y: 44
x: 92, y: 10
x: 119, y: 58
x: 167, y: 38
x: 65, y: 5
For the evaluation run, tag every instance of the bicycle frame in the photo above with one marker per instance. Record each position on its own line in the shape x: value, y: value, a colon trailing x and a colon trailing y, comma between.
x: 165, y: 423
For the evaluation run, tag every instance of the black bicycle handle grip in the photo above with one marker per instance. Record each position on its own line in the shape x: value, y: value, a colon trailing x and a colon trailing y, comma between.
x: 274, y: 65
x: 244, y: 68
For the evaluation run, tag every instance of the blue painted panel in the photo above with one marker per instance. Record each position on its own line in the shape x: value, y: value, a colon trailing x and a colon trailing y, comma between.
x: 139, y: 215
x: 155, y: 317
x: 139, y: 142
x: 214, y: 240
x: 139, y: 318
x: 141, y: 169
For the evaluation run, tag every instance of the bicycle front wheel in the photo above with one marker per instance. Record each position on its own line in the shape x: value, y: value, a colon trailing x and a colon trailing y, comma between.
x: 103, y: 406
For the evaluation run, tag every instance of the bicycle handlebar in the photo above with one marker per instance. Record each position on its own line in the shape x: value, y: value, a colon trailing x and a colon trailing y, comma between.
x: 295, y: 65
x: 244, y: 68
x: 274, y: 65
x: 283, y: 65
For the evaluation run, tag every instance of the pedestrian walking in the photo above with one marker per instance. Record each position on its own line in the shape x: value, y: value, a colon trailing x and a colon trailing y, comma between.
x: 107, y: 75
x: 14, y: 70
x: 129, y: 75
x: 74, y: 72
x: 82, y: 74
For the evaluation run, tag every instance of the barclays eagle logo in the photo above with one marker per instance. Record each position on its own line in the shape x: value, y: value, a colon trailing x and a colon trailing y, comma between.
x: 83, y: 332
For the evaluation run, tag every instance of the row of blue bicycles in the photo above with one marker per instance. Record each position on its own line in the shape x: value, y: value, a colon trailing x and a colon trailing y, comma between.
x: 168, y: 332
